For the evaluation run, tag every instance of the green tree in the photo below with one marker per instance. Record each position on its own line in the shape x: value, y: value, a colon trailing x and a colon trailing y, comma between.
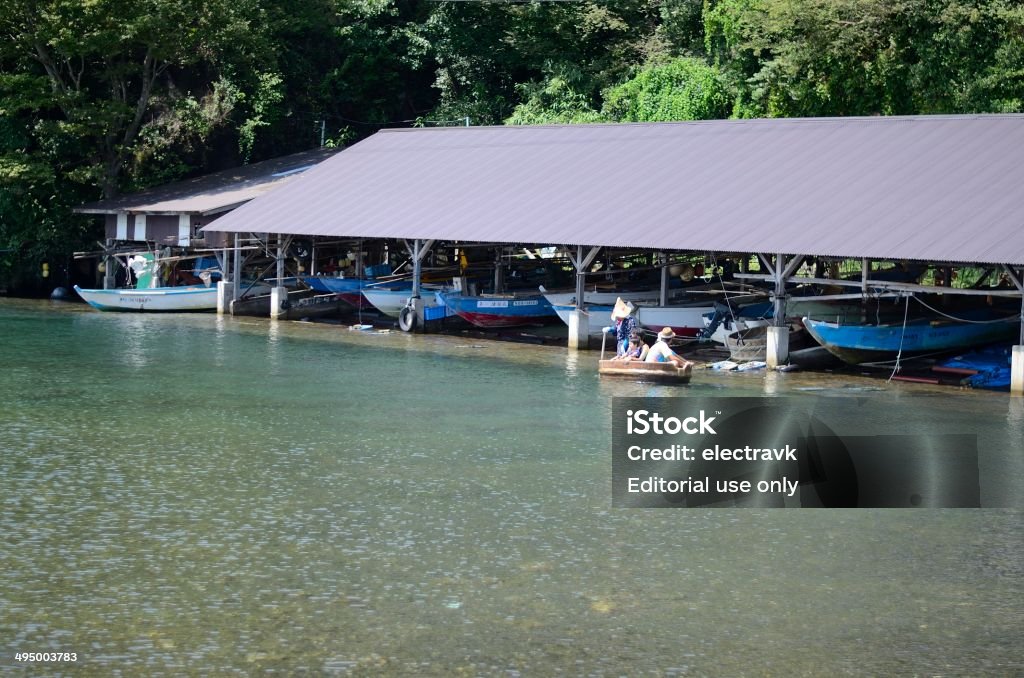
x: 868, y: 57
x: 112, y: 65
x: 553, y: 102
x: 681, y: 89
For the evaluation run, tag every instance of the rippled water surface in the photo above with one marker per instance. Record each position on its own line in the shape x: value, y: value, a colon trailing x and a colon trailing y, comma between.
x: 189, y: 494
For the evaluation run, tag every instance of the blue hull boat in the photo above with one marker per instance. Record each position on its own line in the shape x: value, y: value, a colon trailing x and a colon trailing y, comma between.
x: 350, y: 290
x: 499, y: 310
x: 857, y: 344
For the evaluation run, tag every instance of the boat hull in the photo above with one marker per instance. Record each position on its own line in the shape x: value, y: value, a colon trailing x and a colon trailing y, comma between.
x: 166, y: 299
x: 856, y: 344
x: 685, y: 321
x: 493, y: 312
x: 351, y: 290
x: 599, y: 316
x: 644, y: 371
x: 391, y: 302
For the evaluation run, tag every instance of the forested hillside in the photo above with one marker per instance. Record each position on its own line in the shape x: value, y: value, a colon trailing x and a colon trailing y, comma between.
x: 100, y: 97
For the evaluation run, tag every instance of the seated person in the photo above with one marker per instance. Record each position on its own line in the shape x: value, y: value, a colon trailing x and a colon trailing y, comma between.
x: 661, y: 353
x: 636, y: 349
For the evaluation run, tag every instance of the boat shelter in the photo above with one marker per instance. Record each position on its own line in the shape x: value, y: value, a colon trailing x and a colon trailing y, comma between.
x: 927, y: 188
x: 173, y: 214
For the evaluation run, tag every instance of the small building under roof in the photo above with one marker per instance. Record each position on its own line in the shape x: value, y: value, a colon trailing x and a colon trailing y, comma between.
x: 935, y: 188
x: 173, y: 214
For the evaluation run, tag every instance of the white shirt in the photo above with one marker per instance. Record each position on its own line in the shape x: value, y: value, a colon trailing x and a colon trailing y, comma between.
x: 659, y: 353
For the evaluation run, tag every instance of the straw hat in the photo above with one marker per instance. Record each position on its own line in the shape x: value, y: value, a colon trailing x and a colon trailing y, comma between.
x: 621, y: 309
x: 666, y: 333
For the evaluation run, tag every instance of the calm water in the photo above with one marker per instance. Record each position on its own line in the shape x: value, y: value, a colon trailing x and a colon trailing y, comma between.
x: 188, y: 494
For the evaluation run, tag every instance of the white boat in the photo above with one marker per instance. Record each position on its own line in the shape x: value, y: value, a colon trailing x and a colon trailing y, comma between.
x: 599, y: 316
x: 600, y: 298
x: 152, y: 299
x: 391, y: 302
x: 730, y: 328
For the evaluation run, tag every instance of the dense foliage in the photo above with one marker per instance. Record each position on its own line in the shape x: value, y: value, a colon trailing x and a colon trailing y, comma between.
x: 107, y: 96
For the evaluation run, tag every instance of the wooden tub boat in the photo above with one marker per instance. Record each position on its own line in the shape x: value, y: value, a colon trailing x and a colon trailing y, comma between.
x: 662, y: 372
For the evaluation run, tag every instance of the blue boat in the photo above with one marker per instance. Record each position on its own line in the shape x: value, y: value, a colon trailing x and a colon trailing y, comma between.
x: 857, y: 344
x: 350, y: 290
x: 496, y: 310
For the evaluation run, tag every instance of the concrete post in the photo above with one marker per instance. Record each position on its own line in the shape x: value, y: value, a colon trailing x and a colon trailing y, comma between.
x: 418, y: 306
x: 225, y: 294
x: 236, y: 272
x: 1017, y: 371
x: 778, y: 346
x: 579, y: 330
x: 278, y: 295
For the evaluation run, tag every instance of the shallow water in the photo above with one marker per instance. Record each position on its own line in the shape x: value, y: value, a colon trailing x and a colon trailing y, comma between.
x: 191, y: 494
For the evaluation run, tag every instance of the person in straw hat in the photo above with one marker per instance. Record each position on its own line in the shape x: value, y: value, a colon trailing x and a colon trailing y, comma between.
x: 661, y: 353
x: 625, y: 323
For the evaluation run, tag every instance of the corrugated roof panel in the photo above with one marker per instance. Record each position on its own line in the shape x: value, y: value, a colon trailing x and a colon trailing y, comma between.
x: 940, y: 187
x: 213, y: 192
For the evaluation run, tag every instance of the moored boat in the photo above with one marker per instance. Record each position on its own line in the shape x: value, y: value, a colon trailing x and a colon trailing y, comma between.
x: 390, y: 302
x: 857, y: 344
x: 598, y: 316
x: 495, y: 310
x: 685, y: 321
x: 662, y: 372
x: 152, y: 299
x: 350, y: 290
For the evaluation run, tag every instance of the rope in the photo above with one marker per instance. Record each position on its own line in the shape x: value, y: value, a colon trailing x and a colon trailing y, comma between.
x: 899, y: 354
x: 962, y: 320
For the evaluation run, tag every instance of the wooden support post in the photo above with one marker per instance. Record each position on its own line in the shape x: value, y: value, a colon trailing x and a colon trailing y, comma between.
x: 499, y: 271
x: 581, y: 278
x: 663, y: 295
x: 109, y: 268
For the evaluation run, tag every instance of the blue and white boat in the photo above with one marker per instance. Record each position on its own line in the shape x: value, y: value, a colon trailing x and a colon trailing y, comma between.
x: 497, y: 310
x: 390, y: 302
x: 600, y: 316
x: 350, y: 290
x: 857, y: 344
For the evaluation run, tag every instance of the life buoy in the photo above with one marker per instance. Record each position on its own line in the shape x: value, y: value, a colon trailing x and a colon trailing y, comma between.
x: 407, y: 319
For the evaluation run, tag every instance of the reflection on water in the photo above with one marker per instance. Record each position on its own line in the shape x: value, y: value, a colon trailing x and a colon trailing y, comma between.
x: 187, y: 494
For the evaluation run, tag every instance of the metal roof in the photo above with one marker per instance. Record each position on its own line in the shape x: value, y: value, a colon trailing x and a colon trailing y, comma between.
x: 212, y: 193
x: 942, y: 188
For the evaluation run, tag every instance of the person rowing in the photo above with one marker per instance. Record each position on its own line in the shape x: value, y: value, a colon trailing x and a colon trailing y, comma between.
x: 662, y: 353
